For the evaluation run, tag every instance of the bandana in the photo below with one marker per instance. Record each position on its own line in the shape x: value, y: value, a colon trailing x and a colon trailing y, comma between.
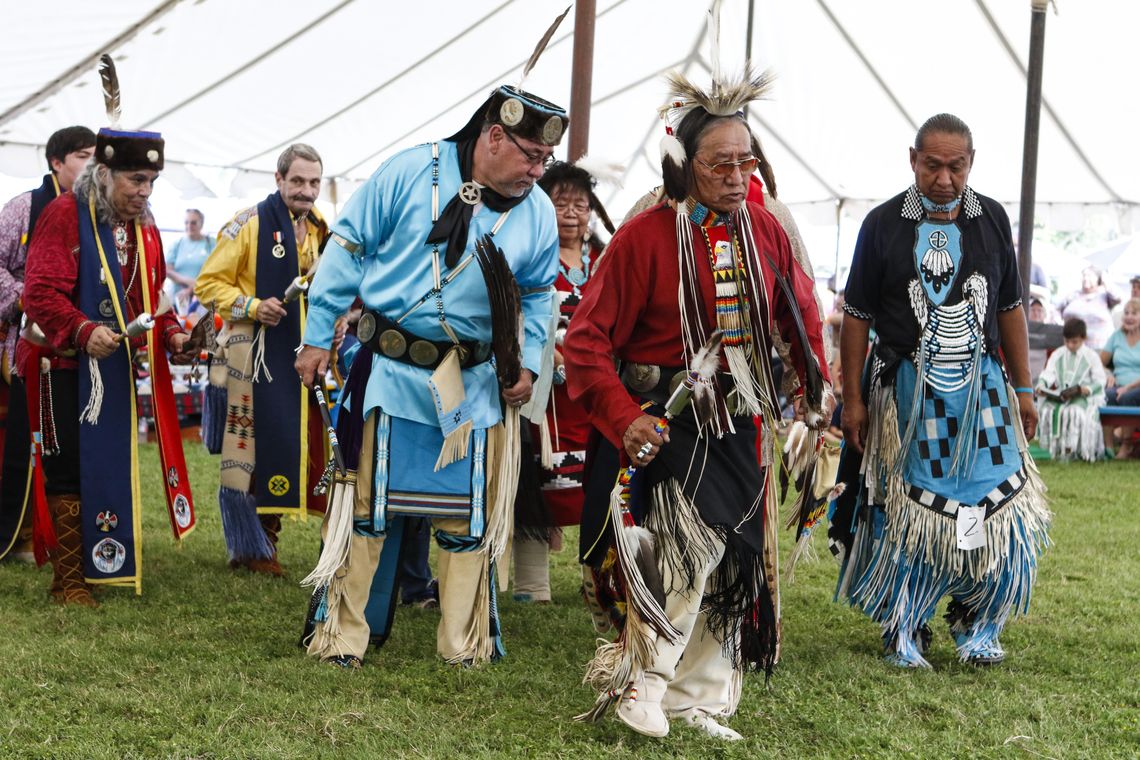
x: 451, y: 227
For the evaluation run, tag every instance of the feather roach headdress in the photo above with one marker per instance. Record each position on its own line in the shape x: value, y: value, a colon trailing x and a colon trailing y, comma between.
x: 117, y: 148
x: 690, y: 109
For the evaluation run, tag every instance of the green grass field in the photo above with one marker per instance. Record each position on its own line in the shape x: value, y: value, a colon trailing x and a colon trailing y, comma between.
x: 206, y: 665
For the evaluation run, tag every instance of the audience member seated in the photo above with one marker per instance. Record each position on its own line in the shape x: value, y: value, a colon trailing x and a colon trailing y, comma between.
x: 1118, y: 310
x: 1122, y: 387
x: 1070, y: 392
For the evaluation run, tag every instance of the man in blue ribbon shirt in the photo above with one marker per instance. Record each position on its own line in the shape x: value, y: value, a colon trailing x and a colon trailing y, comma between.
x: 433, y: 441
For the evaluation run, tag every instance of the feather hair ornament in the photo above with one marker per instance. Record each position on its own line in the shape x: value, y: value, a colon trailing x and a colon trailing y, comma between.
x: 675, y: 180
x: 541, y: 46
x: 110, y: 80
x: 724, y: 98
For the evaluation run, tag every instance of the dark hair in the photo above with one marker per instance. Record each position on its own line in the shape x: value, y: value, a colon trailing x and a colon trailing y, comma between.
x: 68, y: 140
x: 566, y: 176
x: 678, y: 185
x: 944, y: 123
x: 201, y: 216
x: 1074, y: 328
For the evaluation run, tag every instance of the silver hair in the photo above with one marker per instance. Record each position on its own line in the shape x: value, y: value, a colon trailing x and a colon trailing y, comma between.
x: 100, y: 179
x: 295, y: 151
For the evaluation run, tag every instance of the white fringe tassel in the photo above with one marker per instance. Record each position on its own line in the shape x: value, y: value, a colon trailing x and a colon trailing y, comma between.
x: 327, y: 640
x: 338, y: 533
x: 258, y: 354
x: 455, y: 445
x: 640, y: 601
x: 94, y: 406
x: 501, y: 508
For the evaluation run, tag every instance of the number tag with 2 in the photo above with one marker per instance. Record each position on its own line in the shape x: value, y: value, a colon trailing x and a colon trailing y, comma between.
x: 971, y: 528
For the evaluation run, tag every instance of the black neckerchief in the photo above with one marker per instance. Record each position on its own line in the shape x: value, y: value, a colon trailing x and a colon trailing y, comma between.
x: 451, y: 227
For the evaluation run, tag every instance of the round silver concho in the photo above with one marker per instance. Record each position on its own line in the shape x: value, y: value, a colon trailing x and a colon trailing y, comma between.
x: 366, y: 327
x: 552, y: 130
x: 511, y: 111
x: 470, y: 193
x: 393, y: 344
x: 641, y: 378
x: 423, y: 353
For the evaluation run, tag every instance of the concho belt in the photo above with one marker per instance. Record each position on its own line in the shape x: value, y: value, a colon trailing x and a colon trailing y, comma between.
x: 387, y: 338
x: 655, y: 383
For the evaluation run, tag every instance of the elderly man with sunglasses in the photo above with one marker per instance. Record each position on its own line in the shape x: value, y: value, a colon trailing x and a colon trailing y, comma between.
x: 706, y: 259
x: 433, y: 441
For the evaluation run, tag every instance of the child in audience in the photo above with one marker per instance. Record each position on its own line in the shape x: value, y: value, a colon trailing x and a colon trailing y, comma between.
x: 1070, y: 392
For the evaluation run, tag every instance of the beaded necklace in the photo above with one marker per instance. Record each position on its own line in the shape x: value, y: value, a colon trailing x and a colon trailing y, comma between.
x: 577, y: 276
x: 728, y: 276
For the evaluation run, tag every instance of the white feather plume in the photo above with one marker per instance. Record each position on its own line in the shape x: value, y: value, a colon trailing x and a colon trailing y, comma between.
x: 724, y: 97
x: 602, y: 170
x: 672, y: 149
x: 706, y: 361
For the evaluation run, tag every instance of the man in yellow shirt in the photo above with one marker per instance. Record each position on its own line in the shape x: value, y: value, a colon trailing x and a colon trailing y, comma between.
x: 260, y: 253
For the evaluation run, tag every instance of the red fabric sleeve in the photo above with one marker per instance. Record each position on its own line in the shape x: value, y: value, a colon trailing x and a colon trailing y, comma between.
x: 603, y: 324
x: 51, y: 276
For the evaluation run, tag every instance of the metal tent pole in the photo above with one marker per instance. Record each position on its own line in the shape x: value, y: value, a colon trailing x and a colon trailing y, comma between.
x: 581, y: 78
x: 1032, y: 135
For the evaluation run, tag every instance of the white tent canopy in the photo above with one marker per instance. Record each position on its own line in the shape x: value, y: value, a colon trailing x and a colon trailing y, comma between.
x: 231, y: 83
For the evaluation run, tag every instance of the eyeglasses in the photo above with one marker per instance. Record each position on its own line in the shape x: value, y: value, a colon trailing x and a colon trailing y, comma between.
x: 531, y: 158
x: 724, y: 168
x: 578, y: 207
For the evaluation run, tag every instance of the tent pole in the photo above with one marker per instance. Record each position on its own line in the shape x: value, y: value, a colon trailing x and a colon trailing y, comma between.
x: 1032, y: 135
x: 581, y: 78
x: 838, y: 230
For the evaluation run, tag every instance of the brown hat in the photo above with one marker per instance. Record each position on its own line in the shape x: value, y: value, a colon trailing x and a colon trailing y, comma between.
x: 122, y: 150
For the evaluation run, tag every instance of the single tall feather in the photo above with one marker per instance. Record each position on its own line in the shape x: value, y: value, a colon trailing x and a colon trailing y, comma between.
x: 541, y: 46
x: 110, y: 89
x: 714, y: 41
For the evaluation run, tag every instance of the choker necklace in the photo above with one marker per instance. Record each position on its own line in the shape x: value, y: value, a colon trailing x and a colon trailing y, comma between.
x: 938, y: 208
x: 703, y: 216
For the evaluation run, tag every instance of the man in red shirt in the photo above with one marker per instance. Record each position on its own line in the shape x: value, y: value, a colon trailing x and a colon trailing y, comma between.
x: 94, y: 268
x: 705, y: 259
x: 68, y: 150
